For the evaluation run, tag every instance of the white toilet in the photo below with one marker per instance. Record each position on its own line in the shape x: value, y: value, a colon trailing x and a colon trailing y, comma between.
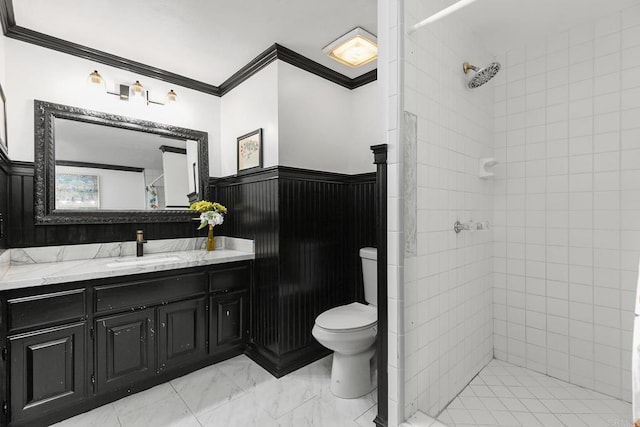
x: 350, y: 331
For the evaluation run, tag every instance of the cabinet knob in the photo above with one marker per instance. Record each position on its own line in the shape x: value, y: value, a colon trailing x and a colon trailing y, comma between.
x: 227, y: 312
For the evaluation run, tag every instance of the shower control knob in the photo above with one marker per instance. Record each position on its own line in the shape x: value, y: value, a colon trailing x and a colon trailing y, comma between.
x: 483, y: 225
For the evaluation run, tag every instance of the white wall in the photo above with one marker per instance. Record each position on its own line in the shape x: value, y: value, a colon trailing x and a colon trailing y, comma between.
x: 324, y: 126
x: 3, y: 62
x: 38, y: 73
x: 192, y: 157
x: 366, y: 127
x: 176, y: 179
x: 322, y: 117
x: 306, y: 121
x: 447, y: 276
x: 251, y: 105
x: 567, y: 237
x: 111, y: 184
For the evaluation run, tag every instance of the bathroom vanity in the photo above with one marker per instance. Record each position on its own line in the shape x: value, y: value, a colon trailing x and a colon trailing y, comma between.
x: 76, y: 344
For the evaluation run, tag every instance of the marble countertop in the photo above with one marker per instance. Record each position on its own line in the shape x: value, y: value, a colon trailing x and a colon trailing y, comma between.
x: 24, y: 275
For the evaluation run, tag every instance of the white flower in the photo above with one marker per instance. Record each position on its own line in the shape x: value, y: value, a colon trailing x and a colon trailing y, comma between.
x: 211, y: 218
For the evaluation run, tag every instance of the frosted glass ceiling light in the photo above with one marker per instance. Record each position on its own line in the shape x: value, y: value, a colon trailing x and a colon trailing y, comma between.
x: 356, y: 48
x: 439, y: 15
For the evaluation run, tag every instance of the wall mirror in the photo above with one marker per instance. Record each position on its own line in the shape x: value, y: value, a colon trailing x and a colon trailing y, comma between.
x: 93, y: 167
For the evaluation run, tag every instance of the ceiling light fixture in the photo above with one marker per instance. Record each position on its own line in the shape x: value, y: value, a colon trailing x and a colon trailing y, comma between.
x: 135, y: 92
x: 439, y: 15
x: 356, y: 48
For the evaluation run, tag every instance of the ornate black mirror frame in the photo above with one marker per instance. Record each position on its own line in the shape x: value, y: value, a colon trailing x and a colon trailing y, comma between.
x: 44, y: 178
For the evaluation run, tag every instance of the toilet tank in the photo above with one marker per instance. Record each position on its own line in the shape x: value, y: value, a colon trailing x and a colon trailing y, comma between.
x: 369, y: 258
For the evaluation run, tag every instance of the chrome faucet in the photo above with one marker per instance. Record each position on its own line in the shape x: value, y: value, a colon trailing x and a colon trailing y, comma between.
x: 139, y: 243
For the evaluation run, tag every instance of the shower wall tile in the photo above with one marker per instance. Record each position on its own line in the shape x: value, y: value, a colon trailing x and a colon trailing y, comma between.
x: 566, y: 238
x: 448, y: 284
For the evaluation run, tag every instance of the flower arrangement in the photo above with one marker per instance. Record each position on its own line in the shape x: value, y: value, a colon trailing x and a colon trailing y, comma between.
x: 211, y: 213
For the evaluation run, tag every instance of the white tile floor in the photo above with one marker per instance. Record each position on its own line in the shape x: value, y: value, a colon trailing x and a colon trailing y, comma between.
x: 506, y: 395
x: 237, y: 392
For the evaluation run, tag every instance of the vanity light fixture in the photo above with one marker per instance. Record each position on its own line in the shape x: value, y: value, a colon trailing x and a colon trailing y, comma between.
x: 135, y: 92
x: 356, y: 48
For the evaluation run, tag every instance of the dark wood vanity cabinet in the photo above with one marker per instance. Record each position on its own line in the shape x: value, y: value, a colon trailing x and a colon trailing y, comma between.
x: 228, y: 307
x: 47, y: 370
x: 182, y: 336
x: 124, y: 349
x: 71, y: 349
x: 228, y: 320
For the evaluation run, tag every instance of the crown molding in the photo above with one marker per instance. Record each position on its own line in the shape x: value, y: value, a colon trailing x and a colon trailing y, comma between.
x: 255, y: 65
x: 276, y: 51
x: 64, y: 46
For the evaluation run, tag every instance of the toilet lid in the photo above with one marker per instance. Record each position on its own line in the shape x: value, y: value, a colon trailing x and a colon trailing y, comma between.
x: 347, y: 317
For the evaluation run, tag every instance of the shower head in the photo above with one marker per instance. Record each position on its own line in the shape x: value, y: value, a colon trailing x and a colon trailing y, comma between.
x: 483, y: 75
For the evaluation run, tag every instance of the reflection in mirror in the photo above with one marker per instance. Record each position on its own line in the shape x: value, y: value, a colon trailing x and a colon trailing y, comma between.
x: 93, y: 167
x: 101, y: 167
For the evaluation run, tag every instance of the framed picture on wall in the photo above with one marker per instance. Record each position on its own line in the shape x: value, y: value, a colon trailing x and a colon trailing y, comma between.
x: 3, y: 122
x: 250, y: 150
x: 74, y: 191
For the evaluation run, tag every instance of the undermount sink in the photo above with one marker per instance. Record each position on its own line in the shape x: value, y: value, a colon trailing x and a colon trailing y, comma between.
x: 127, y: 262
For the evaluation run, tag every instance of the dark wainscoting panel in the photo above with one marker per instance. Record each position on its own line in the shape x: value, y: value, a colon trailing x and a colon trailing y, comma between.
x: 362, y: 227
x: 253, y: 214
x: 313, y: 245
x: 24, y: 233
x: 5, y: 170
x: 308, y: 227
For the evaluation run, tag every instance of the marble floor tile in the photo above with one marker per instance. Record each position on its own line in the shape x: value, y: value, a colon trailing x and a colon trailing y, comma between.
x: 284, y: 395
x: 206, y: 389
x: 238, y: 393
x: 244, y: 372
x: 104, y: 416
x: 350, y: 409
x: 315, y: 413
x: 366, y: 419
x: 170, y: 411
x: 143, y: 399
x: 316, y: 374
x: 241, y: 412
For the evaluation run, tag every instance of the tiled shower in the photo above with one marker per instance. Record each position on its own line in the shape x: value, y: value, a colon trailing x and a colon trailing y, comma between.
x: 550, y: 286
x: 566, y: 207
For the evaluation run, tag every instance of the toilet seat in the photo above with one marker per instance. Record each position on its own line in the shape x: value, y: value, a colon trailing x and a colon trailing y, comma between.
x: 348, y: 318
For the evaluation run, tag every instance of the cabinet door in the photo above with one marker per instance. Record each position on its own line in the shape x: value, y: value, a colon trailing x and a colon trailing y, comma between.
x: 48, y: 370
x: 182, y: 335
x: 124, y: 349
x: 228, y: 321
